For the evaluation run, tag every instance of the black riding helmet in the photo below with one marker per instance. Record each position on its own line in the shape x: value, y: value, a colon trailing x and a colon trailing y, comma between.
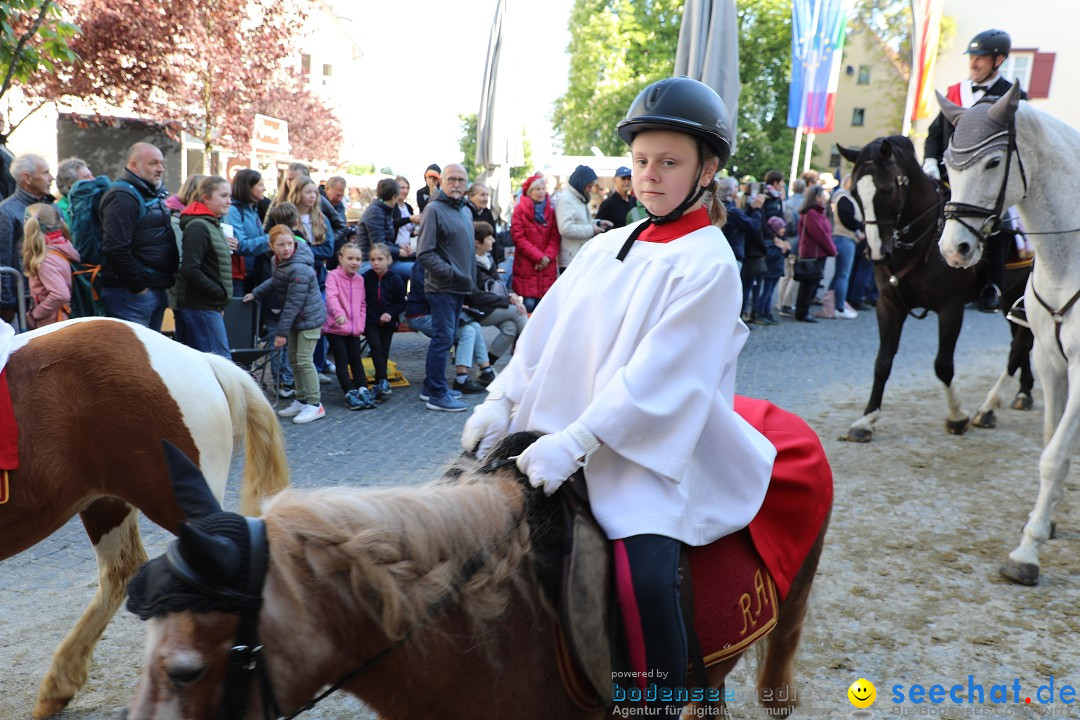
x: 990, y: 42
x: 684, y: 105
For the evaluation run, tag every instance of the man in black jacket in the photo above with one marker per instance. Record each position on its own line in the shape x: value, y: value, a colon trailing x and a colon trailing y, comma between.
x: 620, y: 202
x: 987, y: 51
x: 139, y: 252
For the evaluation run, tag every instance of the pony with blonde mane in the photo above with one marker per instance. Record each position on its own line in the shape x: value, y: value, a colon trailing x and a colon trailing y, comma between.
x: 92, y: 399
x: 1007, y: 153
x: 422, y: 601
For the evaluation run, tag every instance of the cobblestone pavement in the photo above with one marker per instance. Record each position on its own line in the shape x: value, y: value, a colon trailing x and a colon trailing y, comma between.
x: 44, y: 589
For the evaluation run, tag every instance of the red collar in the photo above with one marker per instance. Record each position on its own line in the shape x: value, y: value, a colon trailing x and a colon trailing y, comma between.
x: 685, y: 225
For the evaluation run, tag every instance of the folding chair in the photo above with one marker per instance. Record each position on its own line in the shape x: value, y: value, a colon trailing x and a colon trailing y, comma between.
x: 242, y: 329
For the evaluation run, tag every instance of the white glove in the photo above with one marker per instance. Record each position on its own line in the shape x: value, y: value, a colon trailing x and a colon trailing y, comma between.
x: 487, y: 424
x: 552, y: 459
x: 930, y: 167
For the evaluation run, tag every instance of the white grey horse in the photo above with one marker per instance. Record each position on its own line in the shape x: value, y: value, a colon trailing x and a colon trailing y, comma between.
x: 1009, y: 153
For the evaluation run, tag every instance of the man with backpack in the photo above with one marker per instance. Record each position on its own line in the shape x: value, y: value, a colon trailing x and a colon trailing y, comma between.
x: 139, y: 252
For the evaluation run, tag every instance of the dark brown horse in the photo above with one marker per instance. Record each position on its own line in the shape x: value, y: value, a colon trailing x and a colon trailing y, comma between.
x: 425, y: 602
x: 904, y: 212
x: 93, y: 399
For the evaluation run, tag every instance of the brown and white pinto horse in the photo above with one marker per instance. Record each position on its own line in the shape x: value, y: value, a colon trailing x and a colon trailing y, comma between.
x: 93, y: 398
x: 422, y: 601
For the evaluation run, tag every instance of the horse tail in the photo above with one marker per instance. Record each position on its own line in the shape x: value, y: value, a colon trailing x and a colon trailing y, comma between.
x: 777, y: 671
x: 266, y: 469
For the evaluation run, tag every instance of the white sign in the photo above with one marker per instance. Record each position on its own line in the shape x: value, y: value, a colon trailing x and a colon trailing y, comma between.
x: 270, y: 136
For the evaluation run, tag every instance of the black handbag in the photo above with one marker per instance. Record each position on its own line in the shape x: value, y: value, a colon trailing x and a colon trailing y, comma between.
x: 807, y: 270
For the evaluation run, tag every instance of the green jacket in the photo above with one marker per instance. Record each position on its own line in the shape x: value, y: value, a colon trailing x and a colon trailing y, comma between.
x: 205, y: 278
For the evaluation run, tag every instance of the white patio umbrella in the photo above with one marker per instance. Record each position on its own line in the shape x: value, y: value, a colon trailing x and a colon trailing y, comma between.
x: 708, y: 50
x: 499, y: 143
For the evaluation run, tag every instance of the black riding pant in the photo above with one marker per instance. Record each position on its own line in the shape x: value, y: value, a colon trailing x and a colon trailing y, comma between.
x: 652, y: 611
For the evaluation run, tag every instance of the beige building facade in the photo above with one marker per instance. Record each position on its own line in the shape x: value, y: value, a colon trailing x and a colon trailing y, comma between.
x: 873, y: 87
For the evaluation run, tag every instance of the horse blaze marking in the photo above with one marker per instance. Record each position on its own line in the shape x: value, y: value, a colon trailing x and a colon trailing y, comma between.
x: 745, y: 601
x: 867, y: 190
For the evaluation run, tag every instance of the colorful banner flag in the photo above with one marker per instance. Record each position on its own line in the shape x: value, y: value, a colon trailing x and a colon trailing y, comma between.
x: 818, y: 28
x: 927, y: 15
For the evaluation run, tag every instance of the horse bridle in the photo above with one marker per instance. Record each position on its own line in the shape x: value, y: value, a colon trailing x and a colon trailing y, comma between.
x: 991, y: 223
x: 247, y: 662
x: 899, y: 228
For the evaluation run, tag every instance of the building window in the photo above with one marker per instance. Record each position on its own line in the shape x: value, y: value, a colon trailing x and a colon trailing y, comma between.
x: 834, y: 158
x: 305, y: 65
x: 857, y: 117
x: 1033, y: 69
x: 864, y: 75
x: 1018, y: 67
x: 327, y: 72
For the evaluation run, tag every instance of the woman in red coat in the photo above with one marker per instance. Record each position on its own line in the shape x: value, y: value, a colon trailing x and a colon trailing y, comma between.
x: 815, y: 241
x: 536, y: 242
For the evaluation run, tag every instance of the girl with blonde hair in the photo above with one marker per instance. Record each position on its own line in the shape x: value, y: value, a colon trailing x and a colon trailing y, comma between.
x: 47, y: 254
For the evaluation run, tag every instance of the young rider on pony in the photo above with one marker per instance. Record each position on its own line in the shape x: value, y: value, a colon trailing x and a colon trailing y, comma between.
x: 628, y: 365
x: 988, y: 51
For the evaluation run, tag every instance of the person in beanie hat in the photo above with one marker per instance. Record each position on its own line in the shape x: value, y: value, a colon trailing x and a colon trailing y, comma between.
x: 776, y: 249
x: 627, y: 369
x: 536, y: 241
x: 576, y: 226
x: 433, y: 180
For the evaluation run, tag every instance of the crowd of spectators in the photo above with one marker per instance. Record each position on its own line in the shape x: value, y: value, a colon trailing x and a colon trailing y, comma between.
x: 448, y: 268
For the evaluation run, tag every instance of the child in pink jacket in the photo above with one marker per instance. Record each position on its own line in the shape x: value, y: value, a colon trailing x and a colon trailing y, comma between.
x: 346, y: 313
x: 47, y: 255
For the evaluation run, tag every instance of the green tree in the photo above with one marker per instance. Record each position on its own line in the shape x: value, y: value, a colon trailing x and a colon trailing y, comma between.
x: 467, y: 144
x: 764, y: 140
x: 620, y: 46
x: 33, y: 39
x: 617, y: 47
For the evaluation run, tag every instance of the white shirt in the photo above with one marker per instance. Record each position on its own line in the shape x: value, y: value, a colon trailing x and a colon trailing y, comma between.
x: 643, y: 353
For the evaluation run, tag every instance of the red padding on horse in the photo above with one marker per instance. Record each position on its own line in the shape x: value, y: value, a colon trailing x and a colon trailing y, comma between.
x: 799, y: 495
x: 9, y: 432
x: 635, y: 635
x: 734, y: 597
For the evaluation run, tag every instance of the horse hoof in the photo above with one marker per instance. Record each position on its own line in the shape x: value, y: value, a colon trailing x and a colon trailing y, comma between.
x: 957, y: 427
x: 47, y: 708
x: 985, y: 420
x: 1023, y: 401
x: 858, y: 435
x: 1020, y: 573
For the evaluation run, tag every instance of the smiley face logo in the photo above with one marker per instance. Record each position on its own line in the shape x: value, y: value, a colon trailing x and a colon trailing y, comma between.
x: 862, y: 693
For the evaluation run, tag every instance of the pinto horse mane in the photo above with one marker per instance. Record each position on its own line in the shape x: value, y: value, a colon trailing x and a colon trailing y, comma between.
x: 400, y: 554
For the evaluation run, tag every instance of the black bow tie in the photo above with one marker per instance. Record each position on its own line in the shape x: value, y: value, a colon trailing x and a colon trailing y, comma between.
x: 977, y: 88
